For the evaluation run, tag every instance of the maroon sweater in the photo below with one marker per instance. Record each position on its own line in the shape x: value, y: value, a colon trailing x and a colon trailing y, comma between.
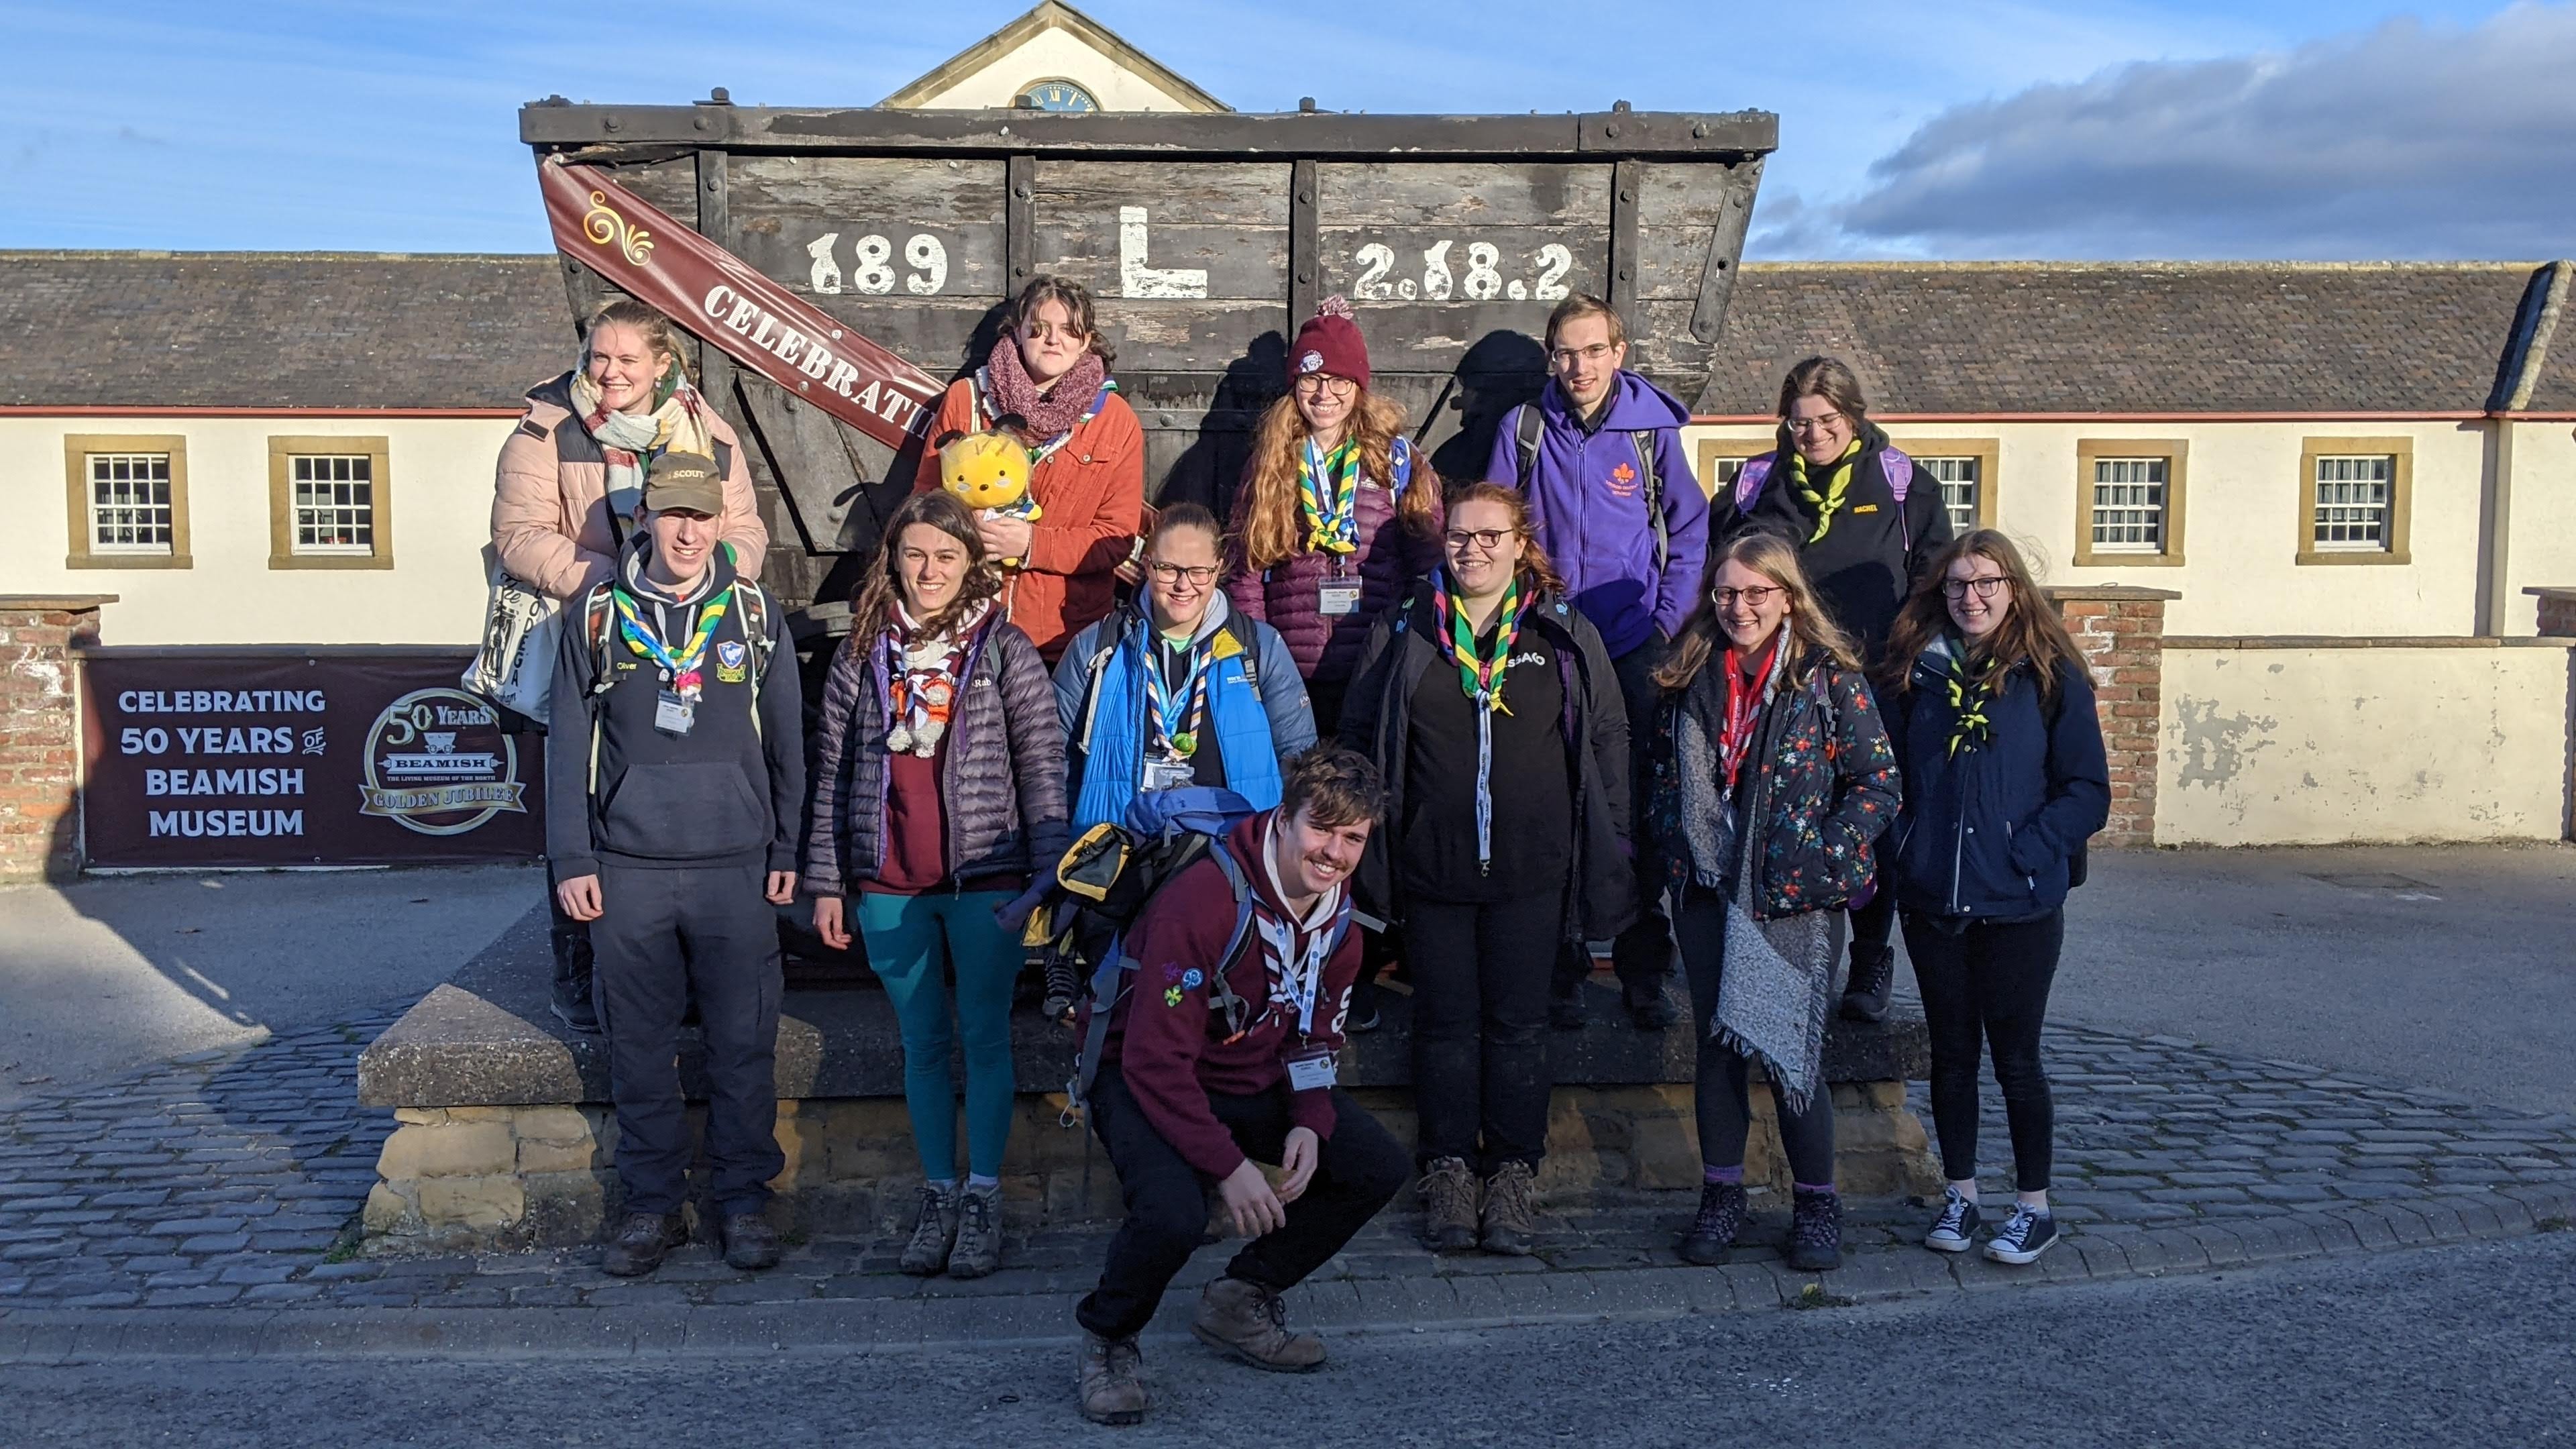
x: 1288, y: 596
x: 1171, y: 1046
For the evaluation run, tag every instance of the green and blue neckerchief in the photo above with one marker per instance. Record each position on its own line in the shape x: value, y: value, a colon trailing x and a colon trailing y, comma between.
x: 1480, y: 674
x: 1328, y: 483
x: 681, y: 665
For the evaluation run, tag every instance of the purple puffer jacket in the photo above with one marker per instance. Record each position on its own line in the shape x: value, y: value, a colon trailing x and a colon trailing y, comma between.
x: 1289, y: 595
x: 1001, y: 779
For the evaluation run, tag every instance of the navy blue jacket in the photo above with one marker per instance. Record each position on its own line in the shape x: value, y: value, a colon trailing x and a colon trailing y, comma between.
x: 1989, y: 831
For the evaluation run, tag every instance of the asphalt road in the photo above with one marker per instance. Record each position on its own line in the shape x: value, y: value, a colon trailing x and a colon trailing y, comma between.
x: 113, y: 972
x: 2446, y: 967
x: 2463, y: 1345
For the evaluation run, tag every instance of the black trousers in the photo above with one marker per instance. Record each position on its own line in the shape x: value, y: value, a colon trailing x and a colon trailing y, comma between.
x: 1642, y: 955
x: 1360, y: 1168
x: 1874, y: 925
x: 1481, y: 1077
x: 1723, y: 1094
x: 1985, y: 989
x: 666, y: 938
x: 570, y: 940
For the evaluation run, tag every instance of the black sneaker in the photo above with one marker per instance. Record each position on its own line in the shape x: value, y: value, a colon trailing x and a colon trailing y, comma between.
x: 1872, y: 979
x: 642, y: 1243
x: 1955, y: 1230
x: 1651, y: 1013
x: 1721, y: 1217
x: 1565, y: 1013
x: 2026, y: 1235
x: 1815, y: 1232
x: 750, y: 1243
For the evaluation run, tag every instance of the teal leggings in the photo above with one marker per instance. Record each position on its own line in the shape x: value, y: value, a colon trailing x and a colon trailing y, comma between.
x: 904, y: 935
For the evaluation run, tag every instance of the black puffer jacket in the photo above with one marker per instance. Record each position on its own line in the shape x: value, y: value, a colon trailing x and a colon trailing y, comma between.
x: 1601, y: 891
x: 1001, y: 780
x: 1868, y: 561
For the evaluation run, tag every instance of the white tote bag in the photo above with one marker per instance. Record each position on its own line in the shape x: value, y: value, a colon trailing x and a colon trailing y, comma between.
x: 515, y: 667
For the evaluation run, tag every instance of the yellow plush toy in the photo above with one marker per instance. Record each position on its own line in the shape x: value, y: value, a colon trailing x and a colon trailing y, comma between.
x: 989, y: 472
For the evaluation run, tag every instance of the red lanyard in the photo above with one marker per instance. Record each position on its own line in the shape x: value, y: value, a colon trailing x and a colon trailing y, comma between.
x: 1743, y: 706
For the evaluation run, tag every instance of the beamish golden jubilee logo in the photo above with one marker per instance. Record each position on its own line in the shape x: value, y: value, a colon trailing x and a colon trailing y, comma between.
x: 437, y: 762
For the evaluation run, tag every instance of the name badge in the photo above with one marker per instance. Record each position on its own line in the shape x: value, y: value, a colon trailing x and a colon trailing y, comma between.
x: 1311, y: 1069
x: 1340, y: 598
x: 1167, y: 775
x: 673, y: 715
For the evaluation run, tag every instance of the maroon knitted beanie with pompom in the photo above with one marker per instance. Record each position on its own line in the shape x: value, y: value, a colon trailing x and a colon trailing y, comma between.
x: 1331, y: 343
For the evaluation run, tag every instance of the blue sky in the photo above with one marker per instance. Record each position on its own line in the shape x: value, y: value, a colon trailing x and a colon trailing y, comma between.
x: 1969, y: 128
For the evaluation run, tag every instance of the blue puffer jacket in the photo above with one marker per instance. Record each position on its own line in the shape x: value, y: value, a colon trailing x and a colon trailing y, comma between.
x: 1989, y: 831
x: 1256, y: 704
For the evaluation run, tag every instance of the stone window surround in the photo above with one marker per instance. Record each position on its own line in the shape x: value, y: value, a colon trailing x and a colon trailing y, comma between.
x: 2401, y: 494
x: 1987, y: 451
x: 77, y: 448
x: 2176, y: 455
x: 282, y: 451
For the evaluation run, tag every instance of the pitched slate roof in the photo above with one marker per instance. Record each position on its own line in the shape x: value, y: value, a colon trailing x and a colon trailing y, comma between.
x: 269, y: 329
x: 278, y: 329
x: 2126, y: 337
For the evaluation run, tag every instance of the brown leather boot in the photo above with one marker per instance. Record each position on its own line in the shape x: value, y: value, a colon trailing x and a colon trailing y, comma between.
x: 1448, y: 1206
x: 1110, y: 1376
x: 1510, y: 1224
x: 1249, y: 1322
x: 642, y: 1242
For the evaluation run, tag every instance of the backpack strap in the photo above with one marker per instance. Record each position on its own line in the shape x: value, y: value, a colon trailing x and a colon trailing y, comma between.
x: 1900, y: 480
x: 1400, y: 463
x: 596, y: 607
x: 1238, y: 627
x: 751, y: 610
x: 1526, y: 425
x: 1749, y: 480
x: 1652, y: 488
x: 1118, y: 965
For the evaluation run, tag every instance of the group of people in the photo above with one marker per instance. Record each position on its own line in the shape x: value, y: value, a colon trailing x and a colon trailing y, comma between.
x: 1482, y: 724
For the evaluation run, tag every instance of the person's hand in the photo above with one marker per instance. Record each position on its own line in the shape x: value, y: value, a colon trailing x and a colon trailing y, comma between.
x: 580, y: 897
x: 1013, y: 915
x: 782, y: 887
x: 1004, y: 535
x: 828, y: 923
x: 1304, y: 1147
x: 1249, y: 1202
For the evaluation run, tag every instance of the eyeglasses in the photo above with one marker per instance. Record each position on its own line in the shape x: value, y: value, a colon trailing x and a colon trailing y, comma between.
x: 1487, y: 539
x: 1048, y: 332
x: 1986, y: 587
x: 1565, y: 357
x: 1754, y: 597
x: 1816, y: 424
x: 1316, y: 384
x: 1173, y: 573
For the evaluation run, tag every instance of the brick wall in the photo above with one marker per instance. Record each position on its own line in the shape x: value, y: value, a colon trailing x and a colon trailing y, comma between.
x: 40, y: 731
x: 2121, y: 631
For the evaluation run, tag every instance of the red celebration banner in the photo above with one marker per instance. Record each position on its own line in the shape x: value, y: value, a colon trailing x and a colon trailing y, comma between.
x: 718, y: 296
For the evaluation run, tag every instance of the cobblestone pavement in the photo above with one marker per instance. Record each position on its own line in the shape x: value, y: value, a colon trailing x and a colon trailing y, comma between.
x: 234, y: 1178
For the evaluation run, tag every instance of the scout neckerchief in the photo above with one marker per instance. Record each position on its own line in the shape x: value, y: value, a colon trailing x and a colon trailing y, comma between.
x: 1329, y: 486
x: 1481, y: 676
x: 1296, y: 974
x: 1838, y: 477
x: 1171, y: 713
x: 1744, y: 704
x: 679, y: 667
x: 920, y: 677
x: 1969, y: 699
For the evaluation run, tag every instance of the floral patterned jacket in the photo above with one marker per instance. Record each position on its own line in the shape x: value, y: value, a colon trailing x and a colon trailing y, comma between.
x: 1827, y: 788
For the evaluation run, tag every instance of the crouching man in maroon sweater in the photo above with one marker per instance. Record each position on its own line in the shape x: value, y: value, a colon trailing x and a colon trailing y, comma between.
x: 1185, y: 1100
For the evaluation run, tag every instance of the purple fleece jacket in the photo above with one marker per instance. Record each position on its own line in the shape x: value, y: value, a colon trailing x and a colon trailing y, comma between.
x: 1590, y: 510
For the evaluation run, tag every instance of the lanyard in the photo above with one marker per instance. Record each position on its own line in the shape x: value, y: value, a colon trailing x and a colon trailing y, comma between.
x: 682, y: 667
x: 1743, y: 705
x: 1481, y: 675
x: 1171, y: 728
x: 1301, y: 980
x: 1331, y: 499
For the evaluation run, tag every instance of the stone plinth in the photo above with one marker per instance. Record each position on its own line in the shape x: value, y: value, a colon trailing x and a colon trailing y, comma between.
x: 504, y: 1138
x: 40, y: 731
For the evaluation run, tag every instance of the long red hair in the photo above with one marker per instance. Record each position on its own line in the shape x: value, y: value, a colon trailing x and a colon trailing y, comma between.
x: 1274, y: 525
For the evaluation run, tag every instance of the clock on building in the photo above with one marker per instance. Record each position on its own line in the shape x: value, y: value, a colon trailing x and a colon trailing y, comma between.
x: 1059, y: 95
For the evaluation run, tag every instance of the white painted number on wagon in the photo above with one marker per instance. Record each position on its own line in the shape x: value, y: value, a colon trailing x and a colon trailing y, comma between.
x: 874, y: 273
x: 926, y: 254
x: 1483, y: 283
x: 1136, y: 279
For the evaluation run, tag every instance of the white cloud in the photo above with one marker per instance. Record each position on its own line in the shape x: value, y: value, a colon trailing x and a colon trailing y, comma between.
x: 2403, y: 141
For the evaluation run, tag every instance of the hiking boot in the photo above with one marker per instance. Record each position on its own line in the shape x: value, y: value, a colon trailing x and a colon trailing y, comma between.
x: 1651, y: 1013
x: 1110, y: 1377
x: 1509, y: 1225
x: 1815, y: 1231
x: 1955, y: 1230
x: 2028, y: 1233
x: 750, y: 1243
x: 1448, y: 1206
x: 642, y: 1244
x: 1873, y: 976
x: 978, y: 1249
x: 1251, y: 1323
x: 1721, y: 1217
x: 1565, y: 1013
x: 571, y: 1000
x: 934, y: 1233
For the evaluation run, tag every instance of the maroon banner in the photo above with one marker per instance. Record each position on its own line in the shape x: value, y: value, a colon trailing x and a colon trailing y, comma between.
x: 718, y: 296
x: 214, y: 756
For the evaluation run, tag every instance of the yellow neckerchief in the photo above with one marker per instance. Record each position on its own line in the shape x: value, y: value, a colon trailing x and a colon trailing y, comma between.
x: 1837, y: 486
